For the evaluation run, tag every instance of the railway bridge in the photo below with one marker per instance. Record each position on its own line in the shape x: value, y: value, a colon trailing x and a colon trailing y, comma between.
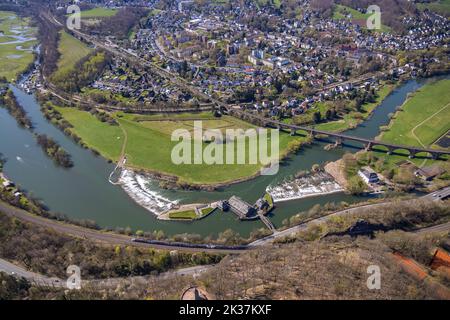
x: 340, y: 138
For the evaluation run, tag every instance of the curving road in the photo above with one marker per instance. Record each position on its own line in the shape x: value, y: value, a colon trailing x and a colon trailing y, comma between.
x: 118, y: 239
x: 41, y: 280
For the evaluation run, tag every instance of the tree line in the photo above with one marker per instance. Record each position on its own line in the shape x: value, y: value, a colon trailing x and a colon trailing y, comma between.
x: 54, y: 151
x: 15, y: 109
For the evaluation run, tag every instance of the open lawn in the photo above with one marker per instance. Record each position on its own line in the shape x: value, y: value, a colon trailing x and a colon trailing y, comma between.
x: 72, y: 50
x: 15, y: 57
x: 149, y: 146
x: 98, y: 13
x: 206, y: 211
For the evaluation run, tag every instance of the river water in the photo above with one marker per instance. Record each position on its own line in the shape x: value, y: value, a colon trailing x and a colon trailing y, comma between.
x: 83, y: 192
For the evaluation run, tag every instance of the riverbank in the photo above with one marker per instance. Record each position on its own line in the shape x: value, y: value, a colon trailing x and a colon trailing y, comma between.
x: 113, y: 209
x: 354, y: 119
x: 145, y: 136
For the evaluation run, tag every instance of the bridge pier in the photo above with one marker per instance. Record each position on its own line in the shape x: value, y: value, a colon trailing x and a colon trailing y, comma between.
x: 293, y: 132
x: 390, y: 150
x: 369, y: 146
x: 338, y: 141
x: 412, y: 154
x: 435, y: 155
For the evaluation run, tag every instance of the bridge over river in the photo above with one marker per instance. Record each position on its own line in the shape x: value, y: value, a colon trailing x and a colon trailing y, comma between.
x: 339, y: 137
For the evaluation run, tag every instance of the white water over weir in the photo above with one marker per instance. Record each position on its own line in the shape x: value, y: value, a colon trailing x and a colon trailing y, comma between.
x: 311, y: 185
x: 137, y: 187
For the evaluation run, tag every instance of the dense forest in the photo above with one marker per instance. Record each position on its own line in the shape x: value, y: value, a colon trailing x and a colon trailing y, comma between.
x: 48, y: 37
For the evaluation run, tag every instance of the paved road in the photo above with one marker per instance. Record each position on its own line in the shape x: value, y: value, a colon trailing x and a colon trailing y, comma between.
x: 434, y: 196
x: 438, y: 195
x: 445, y: 227
x: 42, y: 280
x: 90, y: 234
x: 306, y: 225
x: 35, y: 278
x: 117, y: 239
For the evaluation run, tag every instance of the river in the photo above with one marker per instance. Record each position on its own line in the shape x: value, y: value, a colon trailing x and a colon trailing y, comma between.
x: 83, y: 192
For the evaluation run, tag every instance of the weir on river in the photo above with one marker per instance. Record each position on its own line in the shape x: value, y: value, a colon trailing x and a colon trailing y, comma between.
x: 83, y: 192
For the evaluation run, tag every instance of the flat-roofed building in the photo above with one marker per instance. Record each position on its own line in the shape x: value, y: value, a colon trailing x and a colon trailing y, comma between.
x: 241, y: 208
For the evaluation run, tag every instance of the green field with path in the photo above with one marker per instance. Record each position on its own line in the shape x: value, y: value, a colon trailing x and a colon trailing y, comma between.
x: 149, y: 145
x: 424, y: 117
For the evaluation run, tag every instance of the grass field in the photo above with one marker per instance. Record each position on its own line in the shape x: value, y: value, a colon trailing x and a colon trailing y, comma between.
x: 440, y: 6
x: 350, y: 120
x: 72, y: 50
x: 99, y: 13
x: 206, y: 211
x: 14, y: 61
x: 94, y: 132
x: 187, y: 215
x: 149, y: 145
x: 425, y: 117
x: 341, y: 12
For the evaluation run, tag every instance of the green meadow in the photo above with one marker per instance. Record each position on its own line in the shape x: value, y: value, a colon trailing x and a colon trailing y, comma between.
x: 99, y: 13
x: 423, y: 118
x: 441, y: 6
x: 420, y: 122
x: 71, y: 50
x: 149, y: 144
x: 340, y: 12
x: 13, y: 60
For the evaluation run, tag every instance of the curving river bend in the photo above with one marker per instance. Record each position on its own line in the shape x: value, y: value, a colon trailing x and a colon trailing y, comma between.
x: 84, y: 192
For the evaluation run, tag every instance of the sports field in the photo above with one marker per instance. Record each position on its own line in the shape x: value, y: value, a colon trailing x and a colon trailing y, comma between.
x: 99, y: 13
